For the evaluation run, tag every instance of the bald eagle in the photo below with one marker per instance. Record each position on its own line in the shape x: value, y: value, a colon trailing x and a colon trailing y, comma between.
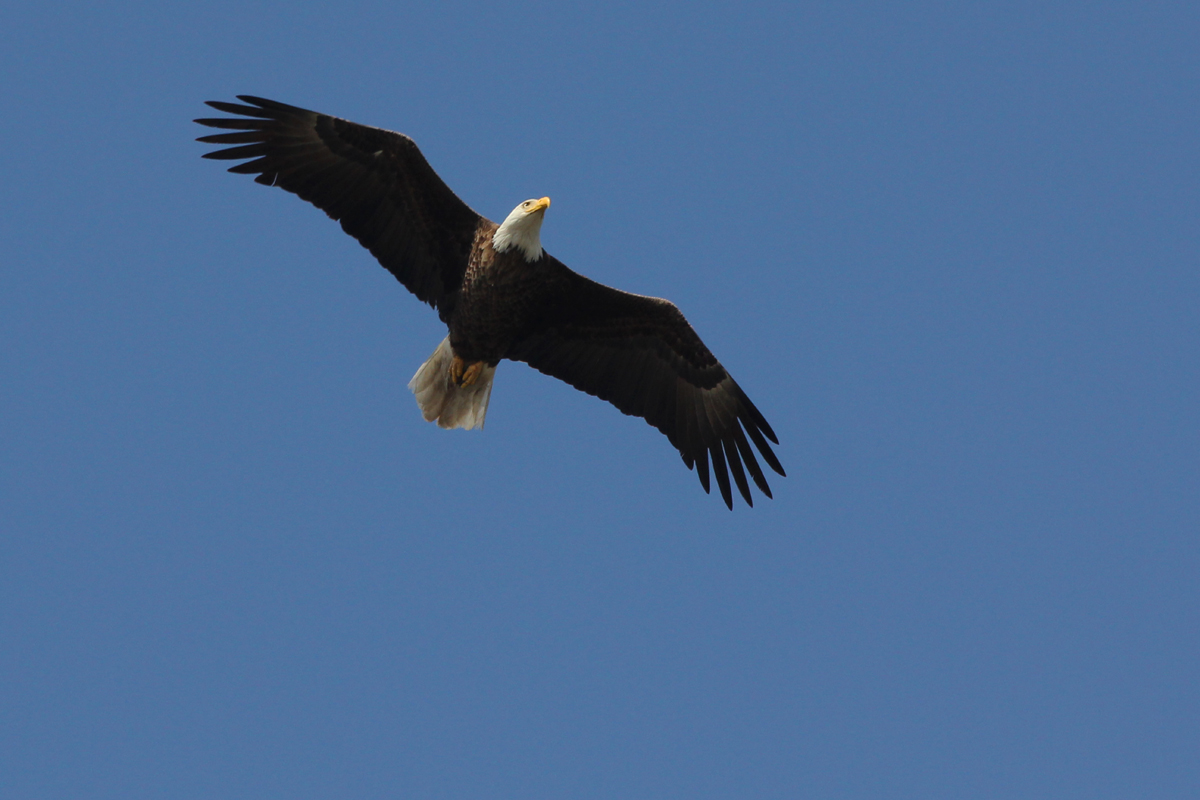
x: 500, y: 294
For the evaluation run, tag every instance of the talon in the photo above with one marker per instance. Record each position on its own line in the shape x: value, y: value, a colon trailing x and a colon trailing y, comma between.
x: 456, y: 370
x: 471, y: 374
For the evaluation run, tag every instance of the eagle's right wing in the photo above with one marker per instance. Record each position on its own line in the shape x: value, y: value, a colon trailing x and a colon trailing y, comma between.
x: 375, y: 182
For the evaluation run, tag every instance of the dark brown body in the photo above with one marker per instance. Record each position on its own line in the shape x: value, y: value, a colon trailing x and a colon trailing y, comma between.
x: 501, y: 298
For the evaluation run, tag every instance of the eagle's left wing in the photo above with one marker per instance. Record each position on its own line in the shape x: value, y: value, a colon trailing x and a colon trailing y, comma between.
x: 641, y: 355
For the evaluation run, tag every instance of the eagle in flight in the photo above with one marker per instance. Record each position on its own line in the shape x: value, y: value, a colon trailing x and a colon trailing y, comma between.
x: 500, y: 294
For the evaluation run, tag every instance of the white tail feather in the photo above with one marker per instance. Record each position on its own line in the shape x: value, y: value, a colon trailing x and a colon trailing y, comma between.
x: 452, y: 406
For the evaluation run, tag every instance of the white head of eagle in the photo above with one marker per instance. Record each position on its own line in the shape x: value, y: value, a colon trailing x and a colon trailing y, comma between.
x: 523, y: 229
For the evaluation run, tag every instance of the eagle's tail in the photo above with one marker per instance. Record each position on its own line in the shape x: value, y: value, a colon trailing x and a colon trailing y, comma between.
x: 452, y: 406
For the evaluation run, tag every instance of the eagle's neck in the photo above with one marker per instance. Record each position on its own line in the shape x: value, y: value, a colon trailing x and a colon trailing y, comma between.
x: 523, y: 232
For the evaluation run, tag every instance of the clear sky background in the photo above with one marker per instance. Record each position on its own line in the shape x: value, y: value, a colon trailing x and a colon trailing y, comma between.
x: 949, y: 249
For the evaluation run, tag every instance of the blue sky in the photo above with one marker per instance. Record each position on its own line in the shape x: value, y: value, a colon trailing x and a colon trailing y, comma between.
x: 950, y: 250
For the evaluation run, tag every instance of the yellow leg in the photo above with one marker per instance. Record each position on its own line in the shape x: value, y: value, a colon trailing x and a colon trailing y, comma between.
x: 464, y: 374
x: 472, y: 373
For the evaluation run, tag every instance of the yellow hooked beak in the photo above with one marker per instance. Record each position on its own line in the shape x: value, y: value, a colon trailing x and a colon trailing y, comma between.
x: 540, y: 205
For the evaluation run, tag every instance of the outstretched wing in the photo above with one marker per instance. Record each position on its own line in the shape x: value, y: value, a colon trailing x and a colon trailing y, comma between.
x: 641, y: 355
x: 375, y: 182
